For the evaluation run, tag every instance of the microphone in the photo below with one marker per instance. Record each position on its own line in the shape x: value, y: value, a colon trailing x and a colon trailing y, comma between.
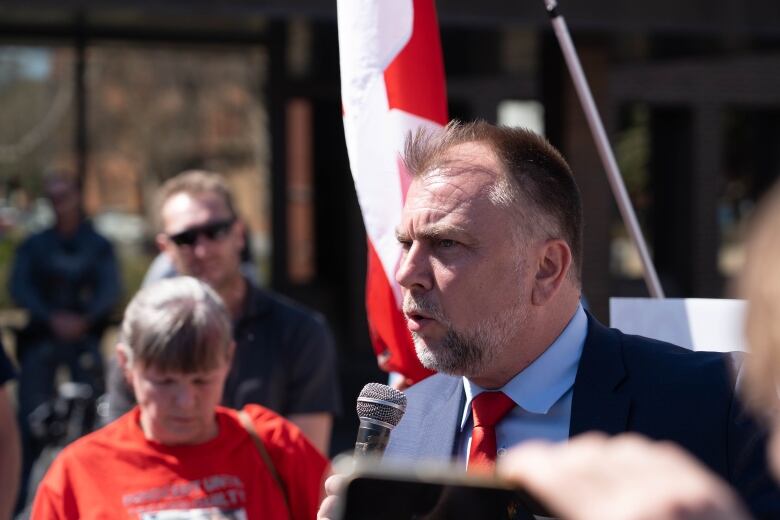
x: 379, y: 409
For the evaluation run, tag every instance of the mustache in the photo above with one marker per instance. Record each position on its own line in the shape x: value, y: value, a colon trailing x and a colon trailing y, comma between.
x: 424, y: 306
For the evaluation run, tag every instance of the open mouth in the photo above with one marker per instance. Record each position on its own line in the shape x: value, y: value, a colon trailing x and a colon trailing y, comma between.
x: 416, y: 320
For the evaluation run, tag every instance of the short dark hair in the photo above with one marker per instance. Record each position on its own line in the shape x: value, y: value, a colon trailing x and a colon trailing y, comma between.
x: 194, y: 182
x: 537, y: 175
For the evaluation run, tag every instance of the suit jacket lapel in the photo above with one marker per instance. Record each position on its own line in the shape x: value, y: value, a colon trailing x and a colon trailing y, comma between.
x: 443, y: 423
x: 597, y: 402
x: 430, y: 426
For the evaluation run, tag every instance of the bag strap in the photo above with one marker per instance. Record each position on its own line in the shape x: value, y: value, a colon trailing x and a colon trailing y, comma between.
x: 246, y: 422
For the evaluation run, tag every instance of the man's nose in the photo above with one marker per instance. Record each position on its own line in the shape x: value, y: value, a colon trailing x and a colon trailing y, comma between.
x: 201, y: 246
x: 414, y: 269
x: 185, y: 396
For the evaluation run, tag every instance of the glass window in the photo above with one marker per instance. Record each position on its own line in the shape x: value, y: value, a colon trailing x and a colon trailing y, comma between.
x: 155, y: 111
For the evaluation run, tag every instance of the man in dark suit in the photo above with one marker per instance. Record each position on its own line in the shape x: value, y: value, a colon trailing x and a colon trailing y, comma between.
x: 492, y: 238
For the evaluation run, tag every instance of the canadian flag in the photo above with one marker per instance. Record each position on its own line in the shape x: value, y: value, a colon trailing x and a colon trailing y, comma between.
x: 392, y: 82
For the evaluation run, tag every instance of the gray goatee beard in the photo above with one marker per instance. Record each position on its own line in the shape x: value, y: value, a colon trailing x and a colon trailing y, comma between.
x: 459, y: 353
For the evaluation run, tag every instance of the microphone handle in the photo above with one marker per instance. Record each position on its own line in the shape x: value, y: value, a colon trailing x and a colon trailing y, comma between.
x: 371, y: 439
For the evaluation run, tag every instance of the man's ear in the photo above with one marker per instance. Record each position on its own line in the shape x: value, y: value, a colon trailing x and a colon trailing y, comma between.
x: 162, y: 241
x: 553, y: 267
x: 124, y: 361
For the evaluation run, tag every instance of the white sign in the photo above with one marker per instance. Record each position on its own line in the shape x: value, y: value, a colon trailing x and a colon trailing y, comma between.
x: 694, y: 323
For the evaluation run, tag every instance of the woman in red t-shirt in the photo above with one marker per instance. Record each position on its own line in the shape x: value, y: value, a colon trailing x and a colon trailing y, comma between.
x: 178, y: 454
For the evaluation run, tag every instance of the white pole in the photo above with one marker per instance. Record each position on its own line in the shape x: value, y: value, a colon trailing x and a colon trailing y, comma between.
x: 604, y: 149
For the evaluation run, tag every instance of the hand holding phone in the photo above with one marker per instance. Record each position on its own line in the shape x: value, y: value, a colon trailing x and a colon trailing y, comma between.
x: 430, y: 492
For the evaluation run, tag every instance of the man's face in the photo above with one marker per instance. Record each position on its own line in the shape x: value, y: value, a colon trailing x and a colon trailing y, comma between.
x: 178, y: 408
x: 209, y: 239
x: 464, y: 275
x: 64, y: 197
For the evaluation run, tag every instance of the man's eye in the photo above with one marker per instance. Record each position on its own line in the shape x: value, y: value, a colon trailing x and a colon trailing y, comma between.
x: 446, y: 243
x: 405, y: 244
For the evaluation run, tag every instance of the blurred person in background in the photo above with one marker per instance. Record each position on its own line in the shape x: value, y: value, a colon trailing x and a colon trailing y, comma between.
x: 285, y: 357
x: 10, y: 446
x: 632, y: 478
x: 67, y: 279
x: 178, y: 454
x: 162, y: 266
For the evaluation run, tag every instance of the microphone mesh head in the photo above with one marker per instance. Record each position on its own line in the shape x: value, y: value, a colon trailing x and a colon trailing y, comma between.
x: 378, y: 411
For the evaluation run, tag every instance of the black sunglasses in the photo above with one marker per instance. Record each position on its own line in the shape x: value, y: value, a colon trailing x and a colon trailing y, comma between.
x: 212, y: 231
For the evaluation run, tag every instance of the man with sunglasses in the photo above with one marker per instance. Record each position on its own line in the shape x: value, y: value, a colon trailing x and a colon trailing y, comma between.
x: 285, y: 358
x: 162, y: 267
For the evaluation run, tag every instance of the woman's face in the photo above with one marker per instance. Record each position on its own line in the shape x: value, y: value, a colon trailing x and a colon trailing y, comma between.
x: 178, y: 408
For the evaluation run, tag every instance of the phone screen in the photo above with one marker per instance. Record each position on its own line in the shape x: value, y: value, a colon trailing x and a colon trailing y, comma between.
x: 384, y: 498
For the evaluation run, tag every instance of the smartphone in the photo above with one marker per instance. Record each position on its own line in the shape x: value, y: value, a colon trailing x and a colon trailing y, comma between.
x: 433, y: 493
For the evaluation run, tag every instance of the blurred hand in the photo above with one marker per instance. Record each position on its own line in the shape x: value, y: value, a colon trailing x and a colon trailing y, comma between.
x: 627, y: 477
x: 329, y: 506
x: 68, y: 326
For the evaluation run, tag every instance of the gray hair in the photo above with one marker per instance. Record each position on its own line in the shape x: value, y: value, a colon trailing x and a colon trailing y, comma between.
x: 176, y: 325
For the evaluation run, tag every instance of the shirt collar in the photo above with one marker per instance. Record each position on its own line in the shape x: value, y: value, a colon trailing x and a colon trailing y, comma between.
x: 256, y: 302
x: 541, y: 384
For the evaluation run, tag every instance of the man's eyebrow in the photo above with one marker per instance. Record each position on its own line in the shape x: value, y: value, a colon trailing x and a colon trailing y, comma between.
x: 431, y: 232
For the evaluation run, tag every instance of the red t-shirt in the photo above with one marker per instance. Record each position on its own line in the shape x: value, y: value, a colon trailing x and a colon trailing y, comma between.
x: 116, y: 472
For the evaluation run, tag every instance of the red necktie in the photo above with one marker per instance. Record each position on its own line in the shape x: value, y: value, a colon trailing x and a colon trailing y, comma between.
x: 487, y: 409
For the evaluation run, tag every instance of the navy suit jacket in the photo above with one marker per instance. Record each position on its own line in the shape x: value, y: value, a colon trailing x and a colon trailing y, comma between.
x: 625, y: 383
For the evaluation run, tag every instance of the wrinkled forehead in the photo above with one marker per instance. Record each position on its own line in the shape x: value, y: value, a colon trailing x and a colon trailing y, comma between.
x: 464, y: 173
x: 472, y: 165
x: 184, y: 210
x: 449, y: 187
x: 447, y: 201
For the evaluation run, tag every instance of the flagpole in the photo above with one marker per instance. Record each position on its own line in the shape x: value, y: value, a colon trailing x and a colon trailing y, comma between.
x: 602, y: 144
